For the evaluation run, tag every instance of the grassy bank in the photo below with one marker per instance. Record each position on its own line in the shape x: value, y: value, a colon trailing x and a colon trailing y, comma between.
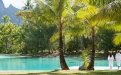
x: 74, y: 72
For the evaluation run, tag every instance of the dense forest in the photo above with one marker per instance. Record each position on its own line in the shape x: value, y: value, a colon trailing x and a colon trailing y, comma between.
x: 64, y: 25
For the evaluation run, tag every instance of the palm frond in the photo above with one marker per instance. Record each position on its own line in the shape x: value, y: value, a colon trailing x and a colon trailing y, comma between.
x: 44, y: 5
x: 99, y: 3
x: 117, y: 39
x: 87, y: 12
x: 54, y: 37
x: 111, y: 11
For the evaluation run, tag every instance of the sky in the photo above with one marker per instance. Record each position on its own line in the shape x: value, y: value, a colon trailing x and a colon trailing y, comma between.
x: 16, y: 3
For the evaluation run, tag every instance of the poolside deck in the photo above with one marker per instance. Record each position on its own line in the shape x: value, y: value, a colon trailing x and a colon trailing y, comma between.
x: 96, y: 68
x: 38, y: 71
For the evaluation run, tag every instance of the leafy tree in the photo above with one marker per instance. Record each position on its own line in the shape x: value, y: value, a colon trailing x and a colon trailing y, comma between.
x: 104, y: 39
x: 73, y: 45
x: 85, y: 57
x: 8, y: 33
x: 36, y: 38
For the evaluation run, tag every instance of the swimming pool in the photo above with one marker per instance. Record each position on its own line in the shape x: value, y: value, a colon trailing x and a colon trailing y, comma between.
x: 39, y: 63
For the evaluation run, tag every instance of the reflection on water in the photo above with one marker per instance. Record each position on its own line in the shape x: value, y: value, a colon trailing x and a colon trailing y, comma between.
x: 12, y: 56
x: 32, y: 63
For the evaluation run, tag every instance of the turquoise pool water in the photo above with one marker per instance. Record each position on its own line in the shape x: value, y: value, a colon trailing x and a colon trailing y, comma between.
x: 37, y: 63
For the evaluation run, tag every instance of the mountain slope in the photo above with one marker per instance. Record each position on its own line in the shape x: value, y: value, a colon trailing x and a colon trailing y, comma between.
x: 10, y: 11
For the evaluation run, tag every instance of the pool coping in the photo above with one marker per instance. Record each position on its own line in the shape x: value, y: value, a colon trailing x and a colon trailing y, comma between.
x: 95, y: 67
x: 38, y: 71
x: 71, y: 68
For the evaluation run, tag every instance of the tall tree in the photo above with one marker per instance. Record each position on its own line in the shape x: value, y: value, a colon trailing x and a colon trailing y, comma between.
x: 90, y: 25
x: 94, y: 22
x: 53, y: 12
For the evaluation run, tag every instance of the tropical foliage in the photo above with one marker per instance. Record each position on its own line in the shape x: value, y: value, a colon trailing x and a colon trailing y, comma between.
x: 64, y: 25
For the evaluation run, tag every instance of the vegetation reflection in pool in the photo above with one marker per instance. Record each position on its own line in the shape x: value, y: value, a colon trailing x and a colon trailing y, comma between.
x: 38, y: 63
x: 33, y: 63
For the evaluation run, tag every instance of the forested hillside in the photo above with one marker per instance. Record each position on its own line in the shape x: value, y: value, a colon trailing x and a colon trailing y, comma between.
x: 9, y: 11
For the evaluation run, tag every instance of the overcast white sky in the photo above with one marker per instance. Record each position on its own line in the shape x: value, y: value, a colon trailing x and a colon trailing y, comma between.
x: 17, y: 3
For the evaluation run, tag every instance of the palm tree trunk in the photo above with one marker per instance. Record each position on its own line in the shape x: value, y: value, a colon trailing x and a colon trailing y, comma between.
x: 6, y: 44
x: 63, y: 64
x: 64, y: 45
x: 91, y: 64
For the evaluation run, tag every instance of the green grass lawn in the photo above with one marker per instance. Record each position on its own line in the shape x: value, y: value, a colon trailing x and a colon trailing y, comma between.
x: 75, y: 72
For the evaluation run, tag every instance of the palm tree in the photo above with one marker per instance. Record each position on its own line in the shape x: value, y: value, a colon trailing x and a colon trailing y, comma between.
x: 5, y: 19
x: 90, y: 16
x: 47, y: 13
x: 90, y: 24
x: 93, y: 19
x: 112, y: 11
x: 28, y: 5
x: 54, y: 12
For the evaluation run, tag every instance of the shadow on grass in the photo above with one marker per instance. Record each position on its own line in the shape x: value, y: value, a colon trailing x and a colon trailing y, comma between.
x: 107, y: 72
x: 71, y: 72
